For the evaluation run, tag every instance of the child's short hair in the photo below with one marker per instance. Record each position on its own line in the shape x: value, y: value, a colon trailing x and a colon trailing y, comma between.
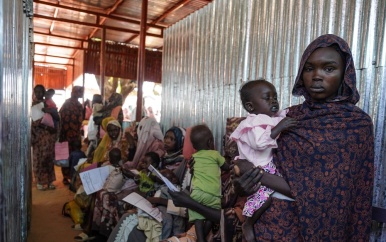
x: 115, y: 152
x: 246, y: 89
x: 97, y: 98
x: 199, y: 136
x: 51, y: 92
x: 77, y: 144
x: 156, y: 160
x: 171, y: 176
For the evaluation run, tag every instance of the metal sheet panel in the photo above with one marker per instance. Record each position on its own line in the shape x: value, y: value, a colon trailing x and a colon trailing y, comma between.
x: 210, y: 53
x: 15, y: 96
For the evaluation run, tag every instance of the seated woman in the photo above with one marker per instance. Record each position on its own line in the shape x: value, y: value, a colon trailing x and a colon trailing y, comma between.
x: 113, y: 140
x: 150, y: 139
x: 173, y: 142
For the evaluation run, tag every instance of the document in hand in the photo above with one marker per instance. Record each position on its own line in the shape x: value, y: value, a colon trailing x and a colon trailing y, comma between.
x: 94, y: 179
x: 170, y: 185
x: 141, y: 202
x: 36, y: 111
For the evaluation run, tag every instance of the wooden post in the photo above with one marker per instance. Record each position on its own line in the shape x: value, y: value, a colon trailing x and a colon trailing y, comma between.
x: 102, y: 62
x: 141, y: 60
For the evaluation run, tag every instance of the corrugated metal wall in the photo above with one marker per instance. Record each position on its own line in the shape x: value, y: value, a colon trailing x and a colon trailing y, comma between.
x: 211, y: 52
x: 15, y: 100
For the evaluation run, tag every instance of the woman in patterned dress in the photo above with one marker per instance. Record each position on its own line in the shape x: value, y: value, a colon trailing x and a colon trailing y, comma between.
x: 43, y: 145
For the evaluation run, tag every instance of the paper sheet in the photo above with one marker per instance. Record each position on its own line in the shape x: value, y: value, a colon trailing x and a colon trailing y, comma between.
x: 61, y: 151
x: 80, y: 162
x: 93, y: 180
x: 141, y: 202
x: 36, y: 111
x: 170, y: 185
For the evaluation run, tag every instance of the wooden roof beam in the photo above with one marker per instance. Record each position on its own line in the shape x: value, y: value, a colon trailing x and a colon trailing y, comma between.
x: 103, y: 20
x: 58, y: 36
x: 96, y: 13
x: 80, y: 48
x: 164, y: 15
x: 61, y: 46
x: 52, y: 63
x: 94, y: 25
x: 55, y: 56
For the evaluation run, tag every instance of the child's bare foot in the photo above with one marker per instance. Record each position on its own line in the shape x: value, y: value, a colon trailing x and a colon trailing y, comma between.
x: 248, y: 232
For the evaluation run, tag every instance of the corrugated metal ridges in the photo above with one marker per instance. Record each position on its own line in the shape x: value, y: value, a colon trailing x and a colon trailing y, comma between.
x: 209, y: 54
x: 15, y: 100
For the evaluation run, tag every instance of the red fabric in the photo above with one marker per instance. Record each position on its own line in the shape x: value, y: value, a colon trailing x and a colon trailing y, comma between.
x: 188, y: 150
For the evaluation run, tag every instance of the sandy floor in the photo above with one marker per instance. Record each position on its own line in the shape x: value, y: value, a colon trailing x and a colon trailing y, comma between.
x: 47, y: 222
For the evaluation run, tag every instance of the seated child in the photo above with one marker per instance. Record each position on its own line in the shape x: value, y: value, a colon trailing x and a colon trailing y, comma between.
x: 116, y: 179
x: 145, y: 179
x: 256, y: 137
x: 171, y: 224
x: 206, y: 181
x: 75, y: 156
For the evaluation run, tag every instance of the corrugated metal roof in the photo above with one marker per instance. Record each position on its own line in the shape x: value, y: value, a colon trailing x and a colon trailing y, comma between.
x: 61, y: 27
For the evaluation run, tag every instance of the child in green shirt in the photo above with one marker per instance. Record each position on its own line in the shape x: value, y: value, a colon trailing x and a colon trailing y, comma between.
x: 206, y: 181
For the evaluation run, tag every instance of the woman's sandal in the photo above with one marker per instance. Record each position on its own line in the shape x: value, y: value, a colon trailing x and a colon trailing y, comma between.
x: 76, y: 227
x: 51, y: 187
x: 40, y: 187
x: 83, y: 237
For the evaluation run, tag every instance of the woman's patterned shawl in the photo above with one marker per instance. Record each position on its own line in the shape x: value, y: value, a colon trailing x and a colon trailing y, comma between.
x: 101, y: 153
x: 327, y: 161
x: 150, y: 139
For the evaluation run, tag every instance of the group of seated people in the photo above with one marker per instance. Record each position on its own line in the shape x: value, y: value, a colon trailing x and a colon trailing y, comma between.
x: 301, y: 174
x: 128, y: 153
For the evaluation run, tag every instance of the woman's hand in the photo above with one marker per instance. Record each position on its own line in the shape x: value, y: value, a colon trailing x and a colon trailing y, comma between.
x: 249, y: 182
x: 180, y: 199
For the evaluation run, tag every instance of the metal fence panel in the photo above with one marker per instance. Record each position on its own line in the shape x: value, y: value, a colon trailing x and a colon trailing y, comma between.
x: 15, y: 100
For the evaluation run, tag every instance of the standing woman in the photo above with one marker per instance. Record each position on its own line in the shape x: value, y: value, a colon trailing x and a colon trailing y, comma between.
x: 114, y: 108
x: 43, y: 144
x: 71, y: 117
x: 327, y: 161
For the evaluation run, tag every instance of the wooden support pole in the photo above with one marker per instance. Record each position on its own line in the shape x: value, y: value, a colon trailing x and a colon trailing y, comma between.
x: 141, y: 61
x: 83, y: 71
x: 103, y: 62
